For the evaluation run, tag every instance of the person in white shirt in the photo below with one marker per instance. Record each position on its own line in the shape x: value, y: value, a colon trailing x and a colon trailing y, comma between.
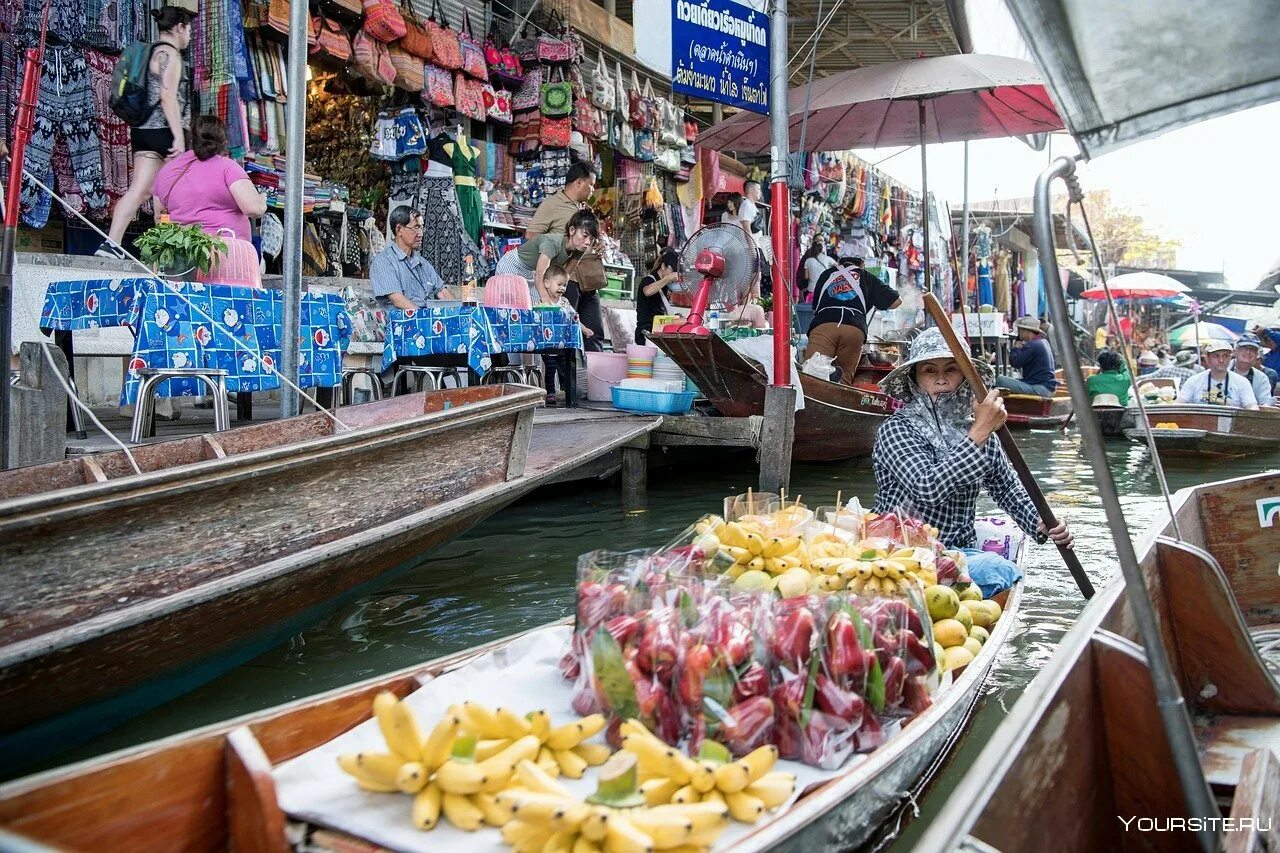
x: 816, y: 261
x: 748, y: 208
x: 1219, y: 385
x: 1245, y: 364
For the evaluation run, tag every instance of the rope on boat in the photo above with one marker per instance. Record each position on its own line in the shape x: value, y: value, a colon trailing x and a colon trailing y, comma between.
x: 194, y: 308
x: 1268, y: 644
x: 78, y: 403
x: 1133, y: 379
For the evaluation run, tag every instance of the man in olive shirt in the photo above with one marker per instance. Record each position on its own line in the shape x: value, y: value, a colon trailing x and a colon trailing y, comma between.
x: 553, y: 214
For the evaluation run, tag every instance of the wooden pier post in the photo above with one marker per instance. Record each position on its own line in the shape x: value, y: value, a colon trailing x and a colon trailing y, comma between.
x: 635, y: 474
x: 38, y: 404
x: 776, y: 436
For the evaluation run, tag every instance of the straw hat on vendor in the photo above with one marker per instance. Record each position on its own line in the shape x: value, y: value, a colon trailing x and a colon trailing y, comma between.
x: 935, y: 455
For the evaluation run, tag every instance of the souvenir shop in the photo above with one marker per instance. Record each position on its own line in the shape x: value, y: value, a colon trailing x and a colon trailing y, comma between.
x: 856, y: 210
x: 434, y: 103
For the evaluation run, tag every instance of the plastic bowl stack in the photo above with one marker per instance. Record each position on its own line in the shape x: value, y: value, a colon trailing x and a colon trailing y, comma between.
x: 640, y: 361
x: 666, y: 370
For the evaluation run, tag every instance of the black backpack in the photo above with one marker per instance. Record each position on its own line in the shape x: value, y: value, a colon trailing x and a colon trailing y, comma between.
x: 130, y: 95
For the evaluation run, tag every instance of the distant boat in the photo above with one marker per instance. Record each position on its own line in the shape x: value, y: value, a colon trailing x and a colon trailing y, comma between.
x: 1210, y: 431
x: 1028, y: 411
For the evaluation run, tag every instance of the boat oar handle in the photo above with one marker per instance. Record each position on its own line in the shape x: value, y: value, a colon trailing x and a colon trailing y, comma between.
x: 961, y: 352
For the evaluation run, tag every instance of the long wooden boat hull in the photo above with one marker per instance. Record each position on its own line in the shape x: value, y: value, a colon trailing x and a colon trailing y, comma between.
x: 837, y: 422
x: 1211, y: 432
x: 1083, y: 750
x: 140, y: 584
x: 1027, y: 411
x: 182, y: 792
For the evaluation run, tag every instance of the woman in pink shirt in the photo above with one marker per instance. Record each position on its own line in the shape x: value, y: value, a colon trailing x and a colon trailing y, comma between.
x: 205, y: 187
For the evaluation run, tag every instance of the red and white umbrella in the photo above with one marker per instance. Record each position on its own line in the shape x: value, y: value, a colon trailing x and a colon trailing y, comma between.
x: 1138, y: 285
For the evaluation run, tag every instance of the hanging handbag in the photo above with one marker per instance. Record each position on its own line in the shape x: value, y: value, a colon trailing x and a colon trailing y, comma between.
x: 437, y: 88
x: 556, y: 96
x: 468, y: 93
x: 350, y: 11
x: 690, y: 130
x: 667, y: 159
x: 643, y: 145
x: 383, y: 21
x: 584, y: 117
x: 473, y: 62
x: 602, y: 85
x: 525, y: 48
x: 622, y: 136
x: 444, y: 41
x: 372, y: 60
x: 333, y: 41
x: 689, y: 155
x: 529, y: 94
x: 416, y: 40
x: 497, y: 104
x: 602, y: 125
x: 555, y: 132
x: 278, y: 17
x: 553, y: 50
x: 639, y: 110
x: 408, y: 67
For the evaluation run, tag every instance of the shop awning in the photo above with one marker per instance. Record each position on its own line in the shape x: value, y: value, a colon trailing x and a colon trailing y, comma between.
x: 716, y: 177
x: 1124, y: 72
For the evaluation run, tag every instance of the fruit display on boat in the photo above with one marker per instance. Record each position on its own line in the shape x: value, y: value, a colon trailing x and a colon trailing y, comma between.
x: 962, y: 620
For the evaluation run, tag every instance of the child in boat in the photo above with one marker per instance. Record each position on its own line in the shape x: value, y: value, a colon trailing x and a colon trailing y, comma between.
x: 934, y: 455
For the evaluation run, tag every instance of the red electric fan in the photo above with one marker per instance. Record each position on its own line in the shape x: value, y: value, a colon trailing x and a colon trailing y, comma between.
x: 729, y: 263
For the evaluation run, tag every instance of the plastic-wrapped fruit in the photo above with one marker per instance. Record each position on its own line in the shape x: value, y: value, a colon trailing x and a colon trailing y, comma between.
x: 752, y: 580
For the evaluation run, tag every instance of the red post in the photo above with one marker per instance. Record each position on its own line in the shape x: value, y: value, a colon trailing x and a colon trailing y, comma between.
x: 22, y: 132
x: 780, y: 200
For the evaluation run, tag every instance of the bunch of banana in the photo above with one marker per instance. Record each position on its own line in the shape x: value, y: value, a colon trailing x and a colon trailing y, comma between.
x: 411, y: 759
x: 746, y: 786
x: 833, y: 565
x: 546, y: 818
x: 560, y: 750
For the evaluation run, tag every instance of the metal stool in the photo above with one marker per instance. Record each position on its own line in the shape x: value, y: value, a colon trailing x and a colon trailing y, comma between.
x: 349, y: 375
x: 77, y: 419
x: 516, y: 373
x: 144, y: 410
x: 421, y: 374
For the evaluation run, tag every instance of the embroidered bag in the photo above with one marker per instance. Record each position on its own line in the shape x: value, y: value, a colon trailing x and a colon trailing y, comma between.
x: 529, y: 94
x: 556, y: 97
x: 525, y: 48
x: 602, y: 85
x: 584, y: 117
x: 469, y: 96
x: 497, y: 104
x: 417, y: 40
x: 444, y: 41
x: 473, y: 62
x: 438, y: 87
x: 372, y: 60
x: 554, y: 50
x: 555, y: 132
x: 408, y: 69
x: 383, y: 21
x: 333, y: 42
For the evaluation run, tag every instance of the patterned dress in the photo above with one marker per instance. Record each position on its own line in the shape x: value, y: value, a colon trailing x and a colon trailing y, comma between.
x: 446, y: 242
x: 464, y: 176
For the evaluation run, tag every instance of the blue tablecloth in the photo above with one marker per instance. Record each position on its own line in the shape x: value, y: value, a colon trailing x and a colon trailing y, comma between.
x: 193, y: 325
x: 477, y: 332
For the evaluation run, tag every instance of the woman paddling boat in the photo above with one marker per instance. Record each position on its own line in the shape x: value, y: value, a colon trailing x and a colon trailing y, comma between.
x: 931, y: 459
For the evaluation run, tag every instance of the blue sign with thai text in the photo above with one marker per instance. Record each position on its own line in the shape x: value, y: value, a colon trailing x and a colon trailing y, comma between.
x: 720, y: 52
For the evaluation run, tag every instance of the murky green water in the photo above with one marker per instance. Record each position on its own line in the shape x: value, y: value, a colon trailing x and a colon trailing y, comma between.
x: 516, y: 572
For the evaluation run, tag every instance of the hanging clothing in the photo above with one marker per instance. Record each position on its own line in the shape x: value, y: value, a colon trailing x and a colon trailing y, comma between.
x: 113, y: 133
x: 65, y: 110
x: 464, y: 177
x: 446, y: 243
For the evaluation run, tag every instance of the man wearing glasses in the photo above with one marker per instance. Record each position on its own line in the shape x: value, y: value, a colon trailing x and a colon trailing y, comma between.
x: 401, y: 277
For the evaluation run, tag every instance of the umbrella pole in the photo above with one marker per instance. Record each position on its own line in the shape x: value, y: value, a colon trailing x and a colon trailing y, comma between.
x: 924, y: 205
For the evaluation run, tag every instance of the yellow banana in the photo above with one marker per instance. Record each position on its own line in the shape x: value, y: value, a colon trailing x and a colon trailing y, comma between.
x: 756, y: 564
x: 426, y: 807
x: 657, y: 758
x: 856, y: 585
x: 623, y: 836
x: 732, y: 535
x: 435, y: 749
x: 487, y: 749
x: 773, y: 789
x: 593, y: 828
x: 517, y: 832
x: 878, y: 569
x: 560, y: 842
x: 777, y: 547
x: 703, y: 816
x: 377, y: 769
x: 499, y: 769
x: 755, y: 542
x: 537, y: 780
x: 687, y: 794
x: 737, y: 570
x: 739, y: 555
x: 412, y: 777
x: 456, y: 777
x: 594, y: 754
x: 658, y: 792
x: 546, y: 759
x: 534, y: 807
x: 667, y: 830
x: 571, y: 764
x: 582, y: 845
x: 494, y: 814
x: 399, y: 726
x: 478, y: 719
x: 461, y: 812
x: 713, y: 797
x: 743, y: 807
x: 511, y: 725
x: 569, y: 736
x: 540, y: 725
x: 702, y: 776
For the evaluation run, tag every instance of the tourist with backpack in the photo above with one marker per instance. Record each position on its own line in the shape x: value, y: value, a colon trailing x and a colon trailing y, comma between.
x: 157, y: 105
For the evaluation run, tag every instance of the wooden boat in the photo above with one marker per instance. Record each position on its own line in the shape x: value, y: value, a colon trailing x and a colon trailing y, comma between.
x: 124, y: 590
x: 1207, y: 431
x: 1113, y: 420
x: 212, y: 788
x: 837, y: 421
x: 1083, y: 748
x: 1027, y: 411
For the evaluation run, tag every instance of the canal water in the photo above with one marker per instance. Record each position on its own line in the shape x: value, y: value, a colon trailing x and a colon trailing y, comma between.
x: 516, y: 571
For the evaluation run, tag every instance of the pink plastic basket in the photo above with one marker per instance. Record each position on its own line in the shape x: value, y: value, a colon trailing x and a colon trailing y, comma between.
x: 239, y: 265
x: 507, y: 291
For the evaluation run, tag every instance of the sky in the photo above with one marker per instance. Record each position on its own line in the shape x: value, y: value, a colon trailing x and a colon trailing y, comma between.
x: 1214, y: 186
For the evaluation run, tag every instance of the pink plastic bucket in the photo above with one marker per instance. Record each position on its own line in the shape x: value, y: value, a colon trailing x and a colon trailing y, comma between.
x: 604, y: 370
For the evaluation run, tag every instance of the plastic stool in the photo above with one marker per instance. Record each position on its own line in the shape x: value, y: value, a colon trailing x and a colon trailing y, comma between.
x: 144, y: 410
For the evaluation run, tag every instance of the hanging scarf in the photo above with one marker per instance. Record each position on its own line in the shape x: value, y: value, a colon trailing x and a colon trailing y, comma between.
x: 943, y: 422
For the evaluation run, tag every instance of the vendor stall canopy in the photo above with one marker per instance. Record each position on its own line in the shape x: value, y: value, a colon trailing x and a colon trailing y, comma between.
x: 1121, y: 72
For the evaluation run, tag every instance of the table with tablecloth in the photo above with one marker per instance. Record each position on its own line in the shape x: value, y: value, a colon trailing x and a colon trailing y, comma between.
x: 236, y: 329
x: 477, y: 332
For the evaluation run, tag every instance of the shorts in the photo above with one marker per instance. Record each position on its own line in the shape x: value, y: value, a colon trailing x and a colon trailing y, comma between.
x: 157, y: 140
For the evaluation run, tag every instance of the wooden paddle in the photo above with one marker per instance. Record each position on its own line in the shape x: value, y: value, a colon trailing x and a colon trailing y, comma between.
x: 961, y: 352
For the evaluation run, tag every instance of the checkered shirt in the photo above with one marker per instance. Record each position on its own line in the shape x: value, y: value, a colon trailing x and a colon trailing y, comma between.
x: 941, y: 487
